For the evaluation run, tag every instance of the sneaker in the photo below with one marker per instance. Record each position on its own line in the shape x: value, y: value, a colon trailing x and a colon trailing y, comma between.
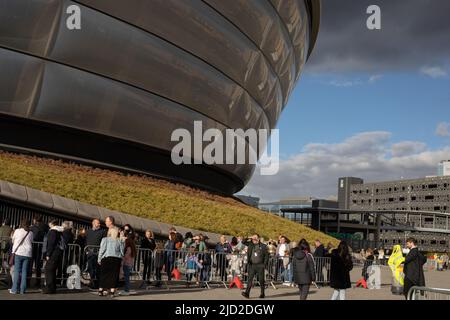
x: 124, y: 293
x: 11, y: 292
x: 287, y: 284
x: 245, y: 295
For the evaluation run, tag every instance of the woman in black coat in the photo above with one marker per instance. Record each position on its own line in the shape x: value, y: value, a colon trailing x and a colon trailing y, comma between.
x: 303, y: 268
x: 341, y: 265
x: 149, y: 244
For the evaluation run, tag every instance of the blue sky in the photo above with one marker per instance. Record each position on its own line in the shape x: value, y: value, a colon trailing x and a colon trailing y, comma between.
x: 329, y: 108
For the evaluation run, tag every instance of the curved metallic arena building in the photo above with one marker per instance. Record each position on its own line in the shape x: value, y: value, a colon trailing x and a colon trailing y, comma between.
x: 111, y: 93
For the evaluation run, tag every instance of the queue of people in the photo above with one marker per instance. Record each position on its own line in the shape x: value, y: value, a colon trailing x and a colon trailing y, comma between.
x: 43, y: 246
x: 111, y: 254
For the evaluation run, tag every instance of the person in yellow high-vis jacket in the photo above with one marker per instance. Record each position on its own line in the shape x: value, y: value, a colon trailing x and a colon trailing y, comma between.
x: 395, y: 264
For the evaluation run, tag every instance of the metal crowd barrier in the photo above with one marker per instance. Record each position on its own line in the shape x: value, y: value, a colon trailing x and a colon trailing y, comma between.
x: 71, y: 256
x: 424, y: 293
x: 164, y: 267
x: 211, y: 268
x: 281, y: 270
x: 4, y: 243
x: 430, y: 265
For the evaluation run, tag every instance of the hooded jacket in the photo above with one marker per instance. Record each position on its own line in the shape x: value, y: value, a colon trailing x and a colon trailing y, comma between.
x: 53, y: 239
x: 303, y: 267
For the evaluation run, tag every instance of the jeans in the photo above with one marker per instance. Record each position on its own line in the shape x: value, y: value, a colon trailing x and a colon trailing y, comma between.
x: 289, y: 273
x: 20, y: 267
x: 205, y: 274
x: 169, y: 268
x: 338, y: 294
x: 126, y: 275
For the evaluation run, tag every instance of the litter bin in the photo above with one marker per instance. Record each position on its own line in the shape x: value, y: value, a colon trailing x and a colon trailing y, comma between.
x: 396, y: 287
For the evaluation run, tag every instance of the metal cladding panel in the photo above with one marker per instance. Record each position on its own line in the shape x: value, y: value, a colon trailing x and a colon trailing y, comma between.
x: 87, y: 211
x: 64, y: 204
x: 139, y: 69
x: 261, y: 23
x: 295, y: 17
x: 13, y: 191
x: 67, y: 98
x: 19, y: 79
x: 146, y: 224
x: 221, y: 44
x: 104, y: 213
x: 40, y: 198
x: 152, y: 64
x: 28, y: 25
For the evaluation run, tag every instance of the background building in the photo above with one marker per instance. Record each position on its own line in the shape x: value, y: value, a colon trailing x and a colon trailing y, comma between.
x: 382, y: 214
x: 344, y: 190
x: 251, y: 201
x: 111, y: 93
x: 277, y: 208
x: 425, y: 194
x: 444, y: 168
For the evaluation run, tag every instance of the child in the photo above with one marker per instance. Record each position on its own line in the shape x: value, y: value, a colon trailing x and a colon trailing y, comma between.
x: 192, y: 264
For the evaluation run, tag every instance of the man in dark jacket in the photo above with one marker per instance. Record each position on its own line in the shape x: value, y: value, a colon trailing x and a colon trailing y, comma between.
x: 39, y: 230
x: 257, y: 257
x: 413, y: 267
x: 319, y: 254
x: 53, y: 256
x: 320, y: 249
x: 94, y: 237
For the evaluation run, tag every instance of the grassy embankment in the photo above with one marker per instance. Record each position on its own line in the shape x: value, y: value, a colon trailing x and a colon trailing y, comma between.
x: 150, y: 198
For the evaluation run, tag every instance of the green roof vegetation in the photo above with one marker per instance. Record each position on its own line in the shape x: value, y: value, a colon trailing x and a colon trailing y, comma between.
x: 151, y: 198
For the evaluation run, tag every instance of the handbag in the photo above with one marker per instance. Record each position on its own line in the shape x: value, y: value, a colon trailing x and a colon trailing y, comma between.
x: 11, y: 257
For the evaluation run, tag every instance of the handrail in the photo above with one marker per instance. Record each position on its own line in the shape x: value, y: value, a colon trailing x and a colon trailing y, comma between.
x: 412, y: 291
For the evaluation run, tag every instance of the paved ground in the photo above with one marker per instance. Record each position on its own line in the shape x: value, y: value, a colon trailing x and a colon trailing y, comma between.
x: 434, y: 279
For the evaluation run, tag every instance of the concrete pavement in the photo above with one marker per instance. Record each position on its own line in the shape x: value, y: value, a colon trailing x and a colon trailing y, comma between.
x: 433, y: 278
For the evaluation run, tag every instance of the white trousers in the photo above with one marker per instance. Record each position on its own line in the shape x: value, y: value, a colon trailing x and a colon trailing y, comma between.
x: 338, y: 294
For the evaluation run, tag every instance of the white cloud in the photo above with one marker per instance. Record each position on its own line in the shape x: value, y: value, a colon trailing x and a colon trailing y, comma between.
x: 345, y: 83
x: 369, y: 155
x: 407, y: 148
x: 443, y: 129
x: 434, y: 72
x: 354, y: 82
x: 374, y: 78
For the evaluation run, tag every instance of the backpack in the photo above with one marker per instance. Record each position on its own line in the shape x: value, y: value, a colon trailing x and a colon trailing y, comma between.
x: 206, y: 257
x: 62, y: 245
